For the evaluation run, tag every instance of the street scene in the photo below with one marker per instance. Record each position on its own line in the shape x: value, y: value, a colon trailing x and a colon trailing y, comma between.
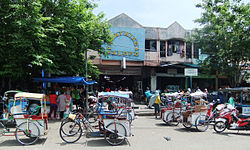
x: 148, y: 134
x: 108, y: 74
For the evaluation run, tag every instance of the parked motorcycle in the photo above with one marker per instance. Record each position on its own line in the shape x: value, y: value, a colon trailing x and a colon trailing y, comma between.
x: 228, y: 119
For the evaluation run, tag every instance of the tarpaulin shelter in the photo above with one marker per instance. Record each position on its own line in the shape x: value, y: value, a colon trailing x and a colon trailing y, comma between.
x: 74, y: 80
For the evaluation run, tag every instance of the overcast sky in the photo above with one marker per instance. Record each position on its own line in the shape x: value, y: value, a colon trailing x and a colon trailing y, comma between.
x: 153, y: 13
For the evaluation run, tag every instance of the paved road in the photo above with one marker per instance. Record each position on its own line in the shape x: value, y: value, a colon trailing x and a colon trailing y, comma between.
x: 149, y: 135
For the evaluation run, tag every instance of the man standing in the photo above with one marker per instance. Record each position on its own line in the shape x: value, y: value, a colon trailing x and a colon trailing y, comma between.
x: 62, y: 102
x: 76, y: 97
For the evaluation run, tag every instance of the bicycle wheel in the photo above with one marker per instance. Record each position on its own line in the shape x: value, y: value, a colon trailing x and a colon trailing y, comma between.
x: 173, y: 118
x: 2, y: 128
x: 202, y: 122
x: 129, y: 118
x: 91, y: 117
x: 115, y: 133
x: 187, y: 125
x: 219, y: 126
x: 27, y: 133
x: 70, y: 131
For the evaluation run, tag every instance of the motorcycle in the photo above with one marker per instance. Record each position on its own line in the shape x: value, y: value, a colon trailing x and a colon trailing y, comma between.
x: 228, y: 119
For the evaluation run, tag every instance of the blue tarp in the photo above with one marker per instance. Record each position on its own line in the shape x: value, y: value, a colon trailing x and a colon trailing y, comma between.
x: 74, y: 80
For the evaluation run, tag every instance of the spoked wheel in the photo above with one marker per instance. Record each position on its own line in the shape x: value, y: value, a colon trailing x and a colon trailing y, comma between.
x: 173, y: 118
x: 187, y: 125
x: 129, y: 118
x: 27, y: 133
x: 202, y: 122
x: 91, y: 117
x: 70, y: 131
x: 115, y: 133
x: 219, y: 126
x: 2, y: 128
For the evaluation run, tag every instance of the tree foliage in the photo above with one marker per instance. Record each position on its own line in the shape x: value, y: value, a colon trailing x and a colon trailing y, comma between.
x: 225, y: 37
x: 49, y: 34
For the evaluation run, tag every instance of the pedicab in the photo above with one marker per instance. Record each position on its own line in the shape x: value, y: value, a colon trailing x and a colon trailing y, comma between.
x: 30, y: 123
x: 112, y: 125
x: 173, y: 103
x: 196, y: 115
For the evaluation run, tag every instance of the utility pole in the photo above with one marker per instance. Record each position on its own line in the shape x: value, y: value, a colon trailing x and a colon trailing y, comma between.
x: 86, y: 78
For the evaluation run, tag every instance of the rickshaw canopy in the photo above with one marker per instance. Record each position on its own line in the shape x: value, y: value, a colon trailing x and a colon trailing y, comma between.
x: 27, y: 95
x: 113, y: 94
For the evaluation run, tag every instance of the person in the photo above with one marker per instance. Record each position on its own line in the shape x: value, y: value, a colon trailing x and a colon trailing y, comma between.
x: 53, y: 104
x: 76, y: 97
x: 220, y: 95
x: 157, y: 104
x: 166, y: 90
x: 69, y: 103
x: 62, y: 102
x: 148, y: 95
x: 231, y: 100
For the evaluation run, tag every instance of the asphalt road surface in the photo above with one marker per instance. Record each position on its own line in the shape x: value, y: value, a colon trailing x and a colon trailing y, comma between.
x: 148, y: 133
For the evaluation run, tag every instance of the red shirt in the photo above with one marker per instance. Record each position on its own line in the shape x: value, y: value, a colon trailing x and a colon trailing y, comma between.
x: 53, y: 98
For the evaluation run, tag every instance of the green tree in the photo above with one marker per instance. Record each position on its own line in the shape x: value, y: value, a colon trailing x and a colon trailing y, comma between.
x: 224, y: 36
x: 20, y: 37
x: 52, y: 35
x: 72, y: 28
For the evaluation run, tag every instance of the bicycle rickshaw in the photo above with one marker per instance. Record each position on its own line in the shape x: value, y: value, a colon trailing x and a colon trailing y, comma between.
x: 114, y: 127
x: 30, y: 124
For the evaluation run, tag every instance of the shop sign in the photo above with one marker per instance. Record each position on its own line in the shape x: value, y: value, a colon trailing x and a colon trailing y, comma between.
x: 191, y: 72
x: 246, y: 110
x: 128, y: 43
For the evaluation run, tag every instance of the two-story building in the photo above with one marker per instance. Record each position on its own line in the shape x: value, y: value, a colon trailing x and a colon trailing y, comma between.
x: 155, y: 58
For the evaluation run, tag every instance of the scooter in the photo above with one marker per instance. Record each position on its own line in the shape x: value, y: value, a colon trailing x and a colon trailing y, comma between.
x: 228, y: 119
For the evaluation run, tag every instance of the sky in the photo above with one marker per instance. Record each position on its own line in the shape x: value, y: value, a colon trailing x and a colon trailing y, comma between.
x: 153, y: 13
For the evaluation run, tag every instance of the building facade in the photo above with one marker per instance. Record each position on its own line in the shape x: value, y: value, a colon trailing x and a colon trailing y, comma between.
x: 155, y: 58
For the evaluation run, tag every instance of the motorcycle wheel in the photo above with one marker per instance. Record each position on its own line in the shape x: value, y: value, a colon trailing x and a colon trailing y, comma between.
x: 219, y: 126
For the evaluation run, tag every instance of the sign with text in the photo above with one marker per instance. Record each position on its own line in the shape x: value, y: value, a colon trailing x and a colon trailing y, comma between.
x: 191, y: 72
x: 128, y: 43
x: 246, y: 110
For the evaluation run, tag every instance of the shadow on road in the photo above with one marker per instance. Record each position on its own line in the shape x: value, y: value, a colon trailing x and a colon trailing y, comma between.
x: 102, y: 143
x: 162, y: 125
x: 14, y: 142
x: 232, y: 133
x: 186, y: 130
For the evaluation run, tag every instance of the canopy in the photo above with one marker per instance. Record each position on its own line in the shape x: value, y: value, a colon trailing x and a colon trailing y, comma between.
x: 113, y: 94
x: 75, y: 80
x: 30, y: 95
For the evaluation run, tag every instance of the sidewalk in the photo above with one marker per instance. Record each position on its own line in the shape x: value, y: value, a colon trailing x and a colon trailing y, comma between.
x: 143, y: 110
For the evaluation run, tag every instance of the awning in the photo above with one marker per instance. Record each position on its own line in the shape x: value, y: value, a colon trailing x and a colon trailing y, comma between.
x: 74, y: 80
x: 180, y: 65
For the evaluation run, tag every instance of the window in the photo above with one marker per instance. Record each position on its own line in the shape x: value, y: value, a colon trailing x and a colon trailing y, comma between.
x: 196, y: 51
x: 188, y: 49
x: 174, y: 47
x: 150, y: 45
x: 162, y: 48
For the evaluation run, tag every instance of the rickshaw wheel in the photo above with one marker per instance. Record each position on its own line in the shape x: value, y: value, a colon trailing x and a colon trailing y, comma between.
x: 115, y: 133
x: 1, y: 129
x: 202, y: 122
x: 219, y: 126
x: 173, y: 118
x: 27, y: 133
x: 187, y: 125
x: 70, y: 131
x: 91, y: 117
